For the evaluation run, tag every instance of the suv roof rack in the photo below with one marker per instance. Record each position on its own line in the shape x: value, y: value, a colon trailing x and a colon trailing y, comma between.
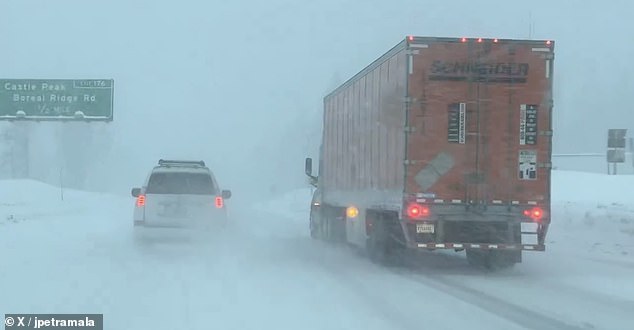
x: 170, y: 162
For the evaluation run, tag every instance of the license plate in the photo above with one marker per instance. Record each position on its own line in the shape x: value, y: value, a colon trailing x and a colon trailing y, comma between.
x: 173, y: 211
x: 424, y: 228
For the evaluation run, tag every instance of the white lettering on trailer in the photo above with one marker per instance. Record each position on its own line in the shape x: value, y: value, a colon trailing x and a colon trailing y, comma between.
x: 522, y: 124
x: 462, y: 123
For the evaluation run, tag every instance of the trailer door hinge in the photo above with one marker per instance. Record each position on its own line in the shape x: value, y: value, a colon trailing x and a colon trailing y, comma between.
x: 410, y: 129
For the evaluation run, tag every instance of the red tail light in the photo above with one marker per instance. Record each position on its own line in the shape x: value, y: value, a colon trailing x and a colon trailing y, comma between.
x: 140, y: 201
x: 417, y: 211
x: 219, y: 202
x: 535, y: 213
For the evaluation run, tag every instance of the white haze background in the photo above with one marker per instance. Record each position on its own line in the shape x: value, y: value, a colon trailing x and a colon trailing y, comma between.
x: 240, y: 83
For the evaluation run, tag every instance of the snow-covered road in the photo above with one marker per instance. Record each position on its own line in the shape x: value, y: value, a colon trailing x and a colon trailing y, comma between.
x: 264, y: 272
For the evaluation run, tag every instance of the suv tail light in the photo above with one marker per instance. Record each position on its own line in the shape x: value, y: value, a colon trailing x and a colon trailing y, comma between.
x: 535, y: 213
x: 417, y: 211
x: 140, y: 201
x: 219, y: 202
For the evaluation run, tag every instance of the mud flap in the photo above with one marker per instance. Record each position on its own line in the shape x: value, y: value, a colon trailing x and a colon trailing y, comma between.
x: 381, y: 246
x: 494, y: 259
x: 378, y: 250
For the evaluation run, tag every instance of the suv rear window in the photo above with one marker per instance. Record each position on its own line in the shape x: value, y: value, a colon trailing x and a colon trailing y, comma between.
x: 181, y: 183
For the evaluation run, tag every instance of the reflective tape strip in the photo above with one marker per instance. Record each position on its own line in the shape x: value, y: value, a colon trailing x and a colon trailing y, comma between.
x: 532, y: 203
x: 456, y: 201
x: 515, y: 202
x: 438, y: 201
x: 497, y: 201
x: 480, y: 246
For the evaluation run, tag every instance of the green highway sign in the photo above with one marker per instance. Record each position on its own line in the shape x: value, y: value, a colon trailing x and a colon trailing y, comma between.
x: 56, y: 99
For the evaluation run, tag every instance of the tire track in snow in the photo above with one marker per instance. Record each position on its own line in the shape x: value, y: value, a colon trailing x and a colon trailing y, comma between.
x: 369, y: 282
x: 505, y: 309
x: 619, y: 263
x: 390, y: 313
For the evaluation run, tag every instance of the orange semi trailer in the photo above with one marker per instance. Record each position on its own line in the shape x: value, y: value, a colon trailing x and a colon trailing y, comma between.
x: 441, y: 143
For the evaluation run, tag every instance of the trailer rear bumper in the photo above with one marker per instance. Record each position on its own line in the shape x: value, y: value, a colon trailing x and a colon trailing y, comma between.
x: 509, y: 235
x: 480, y: 246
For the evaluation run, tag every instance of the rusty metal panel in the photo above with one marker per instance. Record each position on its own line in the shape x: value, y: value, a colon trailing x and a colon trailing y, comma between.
x: 478, y: 109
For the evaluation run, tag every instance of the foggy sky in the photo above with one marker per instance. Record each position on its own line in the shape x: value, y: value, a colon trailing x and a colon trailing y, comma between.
x: 240, y: 83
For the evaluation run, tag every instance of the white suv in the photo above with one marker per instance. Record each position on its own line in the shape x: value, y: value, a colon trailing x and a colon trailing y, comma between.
x: 180, y: 194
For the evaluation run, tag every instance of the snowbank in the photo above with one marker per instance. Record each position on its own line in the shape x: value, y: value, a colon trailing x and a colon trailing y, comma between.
x: 593, y: 213
x: 292, y: 205
x: 570, y: 186
x: 21, y: 200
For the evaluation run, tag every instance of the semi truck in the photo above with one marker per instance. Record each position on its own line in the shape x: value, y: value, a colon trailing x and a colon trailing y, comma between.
x: 440, y: 143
